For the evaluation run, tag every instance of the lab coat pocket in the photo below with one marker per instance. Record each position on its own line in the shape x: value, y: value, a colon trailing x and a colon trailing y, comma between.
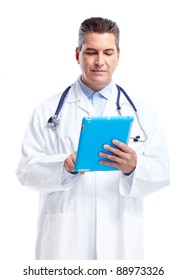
x: 56, y: 237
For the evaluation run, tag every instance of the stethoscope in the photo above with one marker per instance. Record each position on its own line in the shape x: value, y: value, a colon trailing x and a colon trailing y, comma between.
x: 53, y: 121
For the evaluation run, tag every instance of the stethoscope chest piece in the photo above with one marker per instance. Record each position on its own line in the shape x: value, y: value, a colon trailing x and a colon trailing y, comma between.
x: 53, y: 122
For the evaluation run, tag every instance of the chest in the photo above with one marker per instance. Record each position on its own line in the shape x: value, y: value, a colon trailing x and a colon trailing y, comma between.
x: 66, y: 136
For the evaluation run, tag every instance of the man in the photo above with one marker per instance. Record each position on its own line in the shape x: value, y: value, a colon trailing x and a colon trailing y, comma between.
x: 92, y: 215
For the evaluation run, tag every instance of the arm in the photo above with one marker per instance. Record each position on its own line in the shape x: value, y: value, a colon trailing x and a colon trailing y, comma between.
x: 41, y: 168
x: 148, y: 168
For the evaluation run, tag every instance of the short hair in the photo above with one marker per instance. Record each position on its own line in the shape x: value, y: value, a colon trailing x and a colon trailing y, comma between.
x: 98, y: 25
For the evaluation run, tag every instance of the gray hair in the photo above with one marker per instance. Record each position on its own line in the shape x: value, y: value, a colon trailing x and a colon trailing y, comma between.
x: 98, y: 25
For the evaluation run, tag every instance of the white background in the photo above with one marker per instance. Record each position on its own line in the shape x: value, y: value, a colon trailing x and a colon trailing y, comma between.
x: 37, y: 60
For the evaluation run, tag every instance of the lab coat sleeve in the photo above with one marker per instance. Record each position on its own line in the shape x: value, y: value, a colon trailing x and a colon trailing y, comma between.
x: 152, y: 170
x: 39, y: 168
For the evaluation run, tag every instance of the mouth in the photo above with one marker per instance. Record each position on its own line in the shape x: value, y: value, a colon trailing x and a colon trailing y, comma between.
x: 98, y: 71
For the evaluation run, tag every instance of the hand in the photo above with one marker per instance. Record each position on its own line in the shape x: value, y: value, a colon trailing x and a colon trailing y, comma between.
x: 69, y: 163
x: 124, y: 158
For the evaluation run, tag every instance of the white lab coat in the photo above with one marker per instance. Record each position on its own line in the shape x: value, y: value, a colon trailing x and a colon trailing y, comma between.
x: 98, y: 215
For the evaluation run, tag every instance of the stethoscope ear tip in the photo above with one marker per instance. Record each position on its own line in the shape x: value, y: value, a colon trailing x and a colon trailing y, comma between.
x: 135, y: 139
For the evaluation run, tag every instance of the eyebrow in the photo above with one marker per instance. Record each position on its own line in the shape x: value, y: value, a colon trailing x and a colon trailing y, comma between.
x: 92, y: 49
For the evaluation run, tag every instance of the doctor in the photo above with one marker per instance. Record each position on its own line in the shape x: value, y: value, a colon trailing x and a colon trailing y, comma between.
x: 92, y: 215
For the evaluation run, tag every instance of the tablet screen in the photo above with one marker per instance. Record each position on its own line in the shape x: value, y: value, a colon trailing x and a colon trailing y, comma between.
x: 95, y: 132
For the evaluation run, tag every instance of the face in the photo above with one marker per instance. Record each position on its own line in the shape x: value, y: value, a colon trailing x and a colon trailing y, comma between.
x: 98, y: 59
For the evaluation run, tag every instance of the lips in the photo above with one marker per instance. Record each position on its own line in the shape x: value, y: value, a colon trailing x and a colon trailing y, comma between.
x: 98, y: 71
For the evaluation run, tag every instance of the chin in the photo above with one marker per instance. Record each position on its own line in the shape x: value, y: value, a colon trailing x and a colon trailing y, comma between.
x: 100, y: 81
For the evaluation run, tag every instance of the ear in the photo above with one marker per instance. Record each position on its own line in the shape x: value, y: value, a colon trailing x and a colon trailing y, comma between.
x: 77, y: 55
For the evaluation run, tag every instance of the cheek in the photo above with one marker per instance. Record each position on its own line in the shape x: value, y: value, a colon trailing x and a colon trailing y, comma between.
x: 112, y: 63
x: 82, y: 65
x: 85, y: 65
x: 112, y: 67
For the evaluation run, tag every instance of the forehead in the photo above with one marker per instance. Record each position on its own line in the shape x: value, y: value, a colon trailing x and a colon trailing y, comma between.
x: 99, y: 41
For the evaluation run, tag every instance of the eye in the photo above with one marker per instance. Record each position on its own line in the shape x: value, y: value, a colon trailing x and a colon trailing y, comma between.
x: 109, y: 53
x: 91, y: 52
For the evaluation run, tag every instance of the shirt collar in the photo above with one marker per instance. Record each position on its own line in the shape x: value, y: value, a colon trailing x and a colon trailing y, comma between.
x: 105, y: 92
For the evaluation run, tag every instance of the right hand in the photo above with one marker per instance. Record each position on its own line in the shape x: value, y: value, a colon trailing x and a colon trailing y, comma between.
x: 69, y: 163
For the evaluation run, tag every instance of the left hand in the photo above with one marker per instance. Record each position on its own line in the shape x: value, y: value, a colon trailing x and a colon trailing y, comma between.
x: 124, y: 158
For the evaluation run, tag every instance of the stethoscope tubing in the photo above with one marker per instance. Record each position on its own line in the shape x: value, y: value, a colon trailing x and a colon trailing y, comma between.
x: 120, y: 89
x: 61, y: 101
x: 53, y: 121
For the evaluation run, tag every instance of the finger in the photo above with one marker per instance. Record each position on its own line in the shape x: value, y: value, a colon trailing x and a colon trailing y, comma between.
x: 73, y: 157
x: 113, y: 150
x: 111, y: 157
x: 69, y: 165
x: 70, y: 162
x: 124, y: 147
x: 110, y: 163
x: 117, y: 145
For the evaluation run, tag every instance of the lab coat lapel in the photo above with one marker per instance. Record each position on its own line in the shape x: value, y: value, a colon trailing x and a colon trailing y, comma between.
x: 76, y: 95
x: 86, y: 106
x: 110, y: 108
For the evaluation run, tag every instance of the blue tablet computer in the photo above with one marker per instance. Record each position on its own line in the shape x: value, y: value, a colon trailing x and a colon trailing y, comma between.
x: 95, y: 132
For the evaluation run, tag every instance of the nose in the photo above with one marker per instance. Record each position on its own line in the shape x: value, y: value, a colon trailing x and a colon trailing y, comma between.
x: 99, y: 61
